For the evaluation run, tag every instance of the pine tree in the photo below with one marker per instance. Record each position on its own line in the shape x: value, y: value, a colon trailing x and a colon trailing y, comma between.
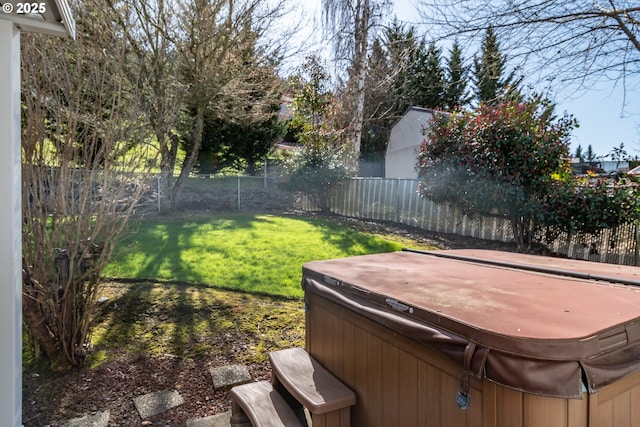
x: 590, y: 156
x: 428, y: 78
x: 390, y: 85
x: 401, y: 46
x: 489, y: 69
x: 378, y: 110
x: 579, y: 154
x: 455, y: 91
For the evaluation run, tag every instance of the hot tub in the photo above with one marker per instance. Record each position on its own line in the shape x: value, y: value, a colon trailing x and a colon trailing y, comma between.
x: 478, y: 338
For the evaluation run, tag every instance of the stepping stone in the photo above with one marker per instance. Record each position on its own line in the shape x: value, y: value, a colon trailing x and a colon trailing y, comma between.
x: 100, y: 419
x: 219, y: 420
x: 154, y: 403
x: 229, y: 376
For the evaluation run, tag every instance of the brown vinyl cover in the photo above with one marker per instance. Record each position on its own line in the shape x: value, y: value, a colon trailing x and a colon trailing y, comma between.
x: 536, y: 324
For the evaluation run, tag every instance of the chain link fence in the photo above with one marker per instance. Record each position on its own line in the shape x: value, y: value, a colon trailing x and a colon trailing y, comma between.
x: 225, y: 193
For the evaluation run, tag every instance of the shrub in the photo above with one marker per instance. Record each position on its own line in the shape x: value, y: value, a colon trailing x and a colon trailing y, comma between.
x: 500, y: 160
x: 589, y: 205
x: 511, y: 160
x: 315, y: 172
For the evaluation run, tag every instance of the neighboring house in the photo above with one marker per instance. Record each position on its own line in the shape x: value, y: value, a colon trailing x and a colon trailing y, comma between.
x: 599, y: 166
x: 286, y: 108
x: 404, y: 143
x: 579, y: 168
x: 614, y: 166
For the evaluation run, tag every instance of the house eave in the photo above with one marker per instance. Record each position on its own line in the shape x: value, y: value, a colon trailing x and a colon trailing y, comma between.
x: 55, y: 20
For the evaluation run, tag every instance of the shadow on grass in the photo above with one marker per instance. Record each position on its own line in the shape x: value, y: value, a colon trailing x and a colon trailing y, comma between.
x: 191, y: 322
x: 158, y: 319
x: 153, y: 336
x: 261, y: 254
x: 159, y: 244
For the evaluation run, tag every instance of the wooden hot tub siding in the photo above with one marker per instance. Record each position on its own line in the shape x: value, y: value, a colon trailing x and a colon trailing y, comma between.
x: 399, y: 382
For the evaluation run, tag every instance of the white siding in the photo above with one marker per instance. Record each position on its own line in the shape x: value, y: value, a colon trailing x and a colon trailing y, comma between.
x: 404, y: 142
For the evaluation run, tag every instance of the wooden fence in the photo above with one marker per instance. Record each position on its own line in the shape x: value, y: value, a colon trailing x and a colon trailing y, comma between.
x: 397, y: 200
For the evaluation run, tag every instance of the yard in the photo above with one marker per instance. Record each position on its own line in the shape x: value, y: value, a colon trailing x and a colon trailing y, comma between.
x: 190, y: 293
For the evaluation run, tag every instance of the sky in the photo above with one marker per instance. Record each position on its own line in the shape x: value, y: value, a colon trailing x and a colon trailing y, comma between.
x: 606, y: 117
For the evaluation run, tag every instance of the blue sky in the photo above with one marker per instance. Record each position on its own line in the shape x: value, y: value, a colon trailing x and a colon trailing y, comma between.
x: 606, y: 118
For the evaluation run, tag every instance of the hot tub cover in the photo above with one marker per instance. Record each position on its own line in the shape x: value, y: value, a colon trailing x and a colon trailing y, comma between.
x: 538, y: 324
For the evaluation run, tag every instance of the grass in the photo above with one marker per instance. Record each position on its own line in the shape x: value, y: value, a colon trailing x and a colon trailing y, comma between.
x: 250, y: 253
x: 159, y: 319
x: 215, y: 286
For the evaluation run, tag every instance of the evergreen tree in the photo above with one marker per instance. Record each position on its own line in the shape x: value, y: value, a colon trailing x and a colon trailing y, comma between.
x: 455, y: 91
x: 241, y: 133
x: 590, y: 156
x: 378, y: 102
x: 489, y: 69
x: 579, y: 154
x: 390, y: 69
x: 402, y: 49
x: 428, y: 78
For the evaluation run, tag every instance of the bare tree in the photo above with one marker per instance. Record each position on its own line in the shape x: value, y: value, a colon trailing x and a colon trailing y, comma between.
x: 79, y: 123
x: 352, y: 23
x: 578, y: 41
x: 211, y: 45
x: 198, y: 59
x: 148, y: 29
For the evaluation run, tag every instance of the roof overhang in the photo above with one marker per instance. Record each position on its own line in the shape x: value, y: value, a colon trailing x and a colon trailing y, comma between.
x: 52, y: 17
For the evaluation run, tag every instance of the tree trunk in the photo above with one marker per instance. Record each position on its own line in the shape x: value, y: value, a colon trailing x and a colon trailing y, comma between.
x: 190, y: 160
x: 360, y: 67
x: 34, y: 297
x: 43, y: 339
x: 522, y: 232
x: 168, y: 152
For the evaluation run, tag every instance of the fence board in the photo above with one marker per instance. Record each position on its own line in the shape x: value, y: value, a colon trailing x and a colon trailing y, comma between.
x: 398, y: 200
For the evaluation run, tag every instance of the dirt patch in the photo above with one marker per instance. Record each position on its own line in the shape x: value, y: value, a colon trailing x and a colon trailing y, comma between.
x: 49, y: 400
x: 148, y: 338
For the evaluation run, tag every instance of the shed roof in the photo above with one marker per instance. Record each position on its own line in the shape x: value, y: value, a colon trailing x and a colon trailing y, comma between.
x: 51, y: 17
x: 407, y: 131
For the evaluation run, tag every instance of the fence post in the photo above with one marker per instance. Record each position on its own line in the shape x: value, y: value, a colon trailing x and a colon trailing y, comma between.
x: 265, y: 172
x: 637, y: 249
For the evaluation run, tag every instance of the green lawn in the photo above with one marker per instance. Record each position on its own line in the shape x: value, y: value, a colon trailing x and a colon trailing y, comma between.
x: 189, y: 268
x: 244, y: 252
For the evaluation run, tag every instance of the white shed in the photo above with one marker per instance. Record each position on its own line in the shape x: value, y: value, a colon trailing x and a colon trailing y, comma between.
x: 404, y: 142
x: 51, y: 17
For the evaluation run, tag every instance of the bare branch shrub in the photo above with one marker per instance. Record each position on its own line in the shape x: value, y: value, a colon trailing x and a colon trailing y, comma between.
x: 80, y: 123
